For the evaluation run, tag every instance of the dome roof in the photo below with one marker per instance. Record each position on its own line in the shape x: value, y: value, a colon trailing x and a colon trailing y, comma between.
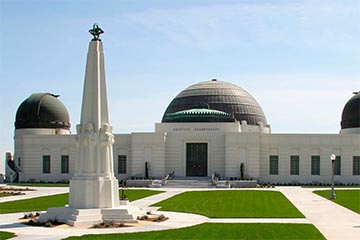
x: 351, y: 113
x: 221, y: 96
x: 42, y: 110
x: 200, y: 113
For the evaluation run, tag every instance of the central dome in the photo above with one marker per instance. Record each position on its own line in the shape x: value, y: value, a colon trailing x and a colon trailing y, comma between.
x: 221, y: 96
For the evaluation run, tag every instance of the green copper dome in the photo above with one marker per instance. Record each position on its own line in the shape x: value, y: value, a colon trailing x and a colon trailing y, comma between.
x: 42, y: 110
x: 200, y: 113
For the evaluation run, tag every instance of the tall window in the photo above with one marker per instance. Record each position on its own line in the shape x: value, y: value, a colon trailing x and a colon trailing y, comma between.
x: 356, y: 165
x: 46, y: 163
x: 274, y: 165
x: 337, y: 166
x: 315, y: 165
x: 64, y: 163
x: 294, y: 165
x: 19, y: 162
x: 122, y: 164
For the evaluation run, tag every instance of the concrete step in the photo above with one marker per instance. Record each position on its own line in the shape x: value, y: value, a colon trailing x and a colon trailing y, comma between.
x: 189, y: 183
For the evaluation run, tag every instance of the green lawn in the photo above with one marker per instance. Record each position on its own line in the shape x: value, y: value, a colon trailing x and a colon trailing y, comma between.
x: 6, y: 235
x: 232, y: 204
x: 43, y: 203
x: 226, y: 231
x: 347, y: 198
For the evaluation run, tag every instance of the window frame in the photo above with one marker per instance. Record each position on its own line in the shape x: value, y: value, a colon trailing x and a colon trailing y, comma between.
x: 337, y: 166
x: 315, y: 165
x: 274, y: 165
x: 122, y: 164
x: 64, y: 165
x: 294, y: 165
x: 46, y: 164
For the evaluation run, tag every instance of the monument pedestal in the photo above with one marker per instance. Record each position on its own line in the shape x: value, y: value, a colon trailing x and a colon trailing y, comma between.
x: 98, y: 192
x: 89, y: 217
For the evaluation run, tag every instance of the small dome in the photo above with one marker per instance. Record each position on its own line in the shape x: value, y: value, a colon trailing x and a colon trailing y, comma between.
x: 199, y: 114
x: 351, y: 113
x: 42, y: 110
x: 221, y: 96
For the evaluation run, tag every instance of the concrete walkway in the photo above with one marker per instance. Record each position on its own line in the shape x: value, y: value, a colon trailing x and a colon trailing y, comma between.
x: 332, y: 220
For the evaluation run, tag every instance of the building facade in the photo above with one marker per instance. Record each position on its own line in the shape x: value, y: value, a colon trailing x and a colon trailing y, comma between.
x: 210, y: 127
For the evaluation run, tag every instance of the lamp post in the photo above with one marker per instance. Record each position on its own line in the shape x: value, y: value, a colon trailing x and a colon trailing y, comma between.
x: 332, y: 195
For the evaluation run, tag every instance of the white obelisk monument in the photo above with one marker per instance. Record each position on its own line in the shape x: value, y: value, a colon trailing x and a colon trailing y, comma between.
x: 94, y: 191
x: 94, y: 184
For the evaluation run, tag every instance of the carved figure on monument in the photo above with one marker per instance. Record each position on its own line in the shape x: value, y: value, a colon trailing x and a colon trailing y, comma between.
x: 78, y: 141
x: 106, y: 150
x: 90, y: 141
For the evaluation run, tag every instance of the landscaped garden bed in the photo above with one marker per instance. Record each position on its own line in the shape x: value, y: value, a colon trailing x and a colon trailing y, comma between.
x: 12, y: 191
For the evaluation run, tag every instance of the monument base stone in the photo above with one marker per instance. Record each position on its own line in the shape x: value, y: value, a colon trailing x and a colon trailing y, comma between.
x: 97, y: 192
x: 90, y: 217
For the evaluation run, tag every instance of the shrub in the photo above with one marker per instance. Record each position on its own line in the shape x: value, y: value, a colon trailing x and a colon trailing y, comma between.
x: 48, y: 224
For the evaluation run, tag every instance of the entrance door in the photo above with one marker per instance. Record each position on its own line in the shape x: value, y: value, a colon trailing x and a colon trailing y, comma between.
x: 196, y: 159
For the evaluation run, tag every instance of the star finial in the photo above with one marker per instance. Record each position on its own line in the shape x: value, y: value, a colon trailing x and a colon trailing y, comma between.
x: 96, y: 31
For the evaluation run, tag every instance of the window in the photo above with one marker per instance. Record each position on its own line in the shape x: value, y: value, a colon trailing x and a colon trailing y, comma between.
x: 337, y: 166
x: 274, y: 165
x: 64, y: 163
x: 19, y: 162
x: 122, y: 164
x: 46, y: 163
x: 356, y: 165
x: 294, y: 165
x: 315, y: 165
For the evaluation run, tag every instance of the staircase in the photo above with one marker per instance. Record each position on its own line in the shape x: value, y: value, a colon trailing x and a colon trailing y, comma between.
x: 189, y: 182
x: 12, y: 171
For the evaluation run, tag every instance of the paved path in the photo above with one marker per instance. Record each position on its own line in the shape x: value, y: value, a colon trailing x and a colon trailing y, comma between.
x: 332, y: 220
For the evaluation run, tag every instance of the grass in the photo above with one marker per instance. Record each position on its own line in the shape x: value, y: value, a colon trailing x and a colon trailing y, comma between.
x: 327, y: 186
x: 34, y: 204
x: 233, y: 204
x: 43, y: 203
x: 218, y: 231
x: 346, y: 198
x: 135, y: 194
x: 6, y: 235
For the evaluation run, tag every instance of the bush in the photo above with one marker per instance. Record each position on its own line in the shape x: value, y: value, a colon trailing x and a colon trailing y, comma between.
x: 48, y: 224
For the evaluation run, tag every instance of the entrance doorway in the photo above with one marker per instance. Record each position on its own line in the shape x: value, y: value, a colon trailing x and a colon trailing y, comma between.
x: 196, y: 159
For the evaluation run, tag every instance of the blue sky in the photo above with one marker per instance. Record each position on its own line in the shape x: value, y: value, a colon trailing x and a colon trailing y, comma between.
x: 299, y: 59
